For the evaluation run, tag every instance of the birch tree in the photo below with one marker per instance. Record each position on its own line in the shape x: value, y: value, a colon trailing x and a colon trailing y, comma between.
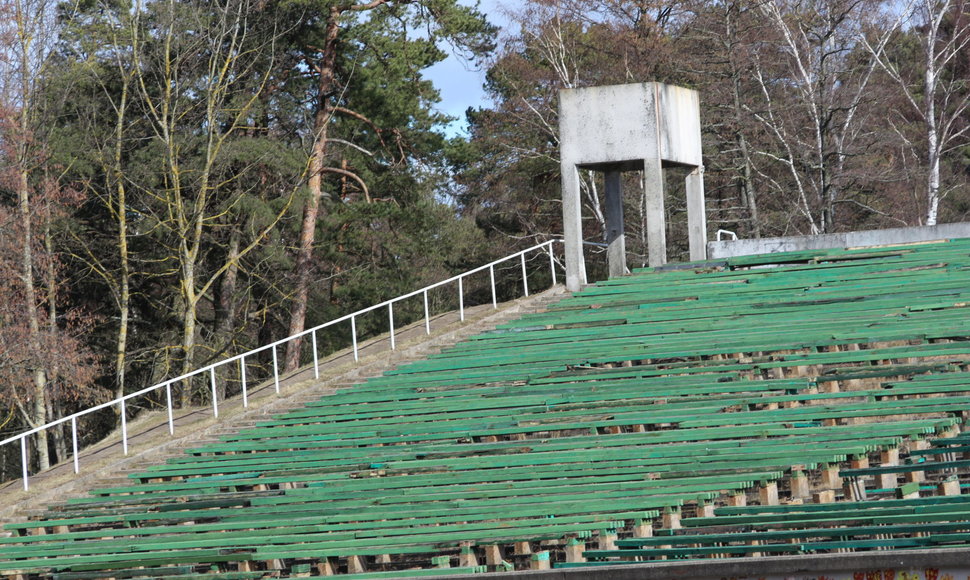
x: 936, y: 90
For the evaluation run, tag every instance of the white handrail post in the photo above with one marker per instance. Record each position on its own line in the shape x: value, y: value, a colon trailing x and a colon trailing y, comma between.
x: 552, y: 264
x: 316, y: 359
x: 390, y: 317
x: 242, y: 377
x: 215, y: 402
x: 23, y: 459
x: 74, y: 442
x: 491, y: 275
x: 427, y: 315
x: 124, y: 428
x: 276, y: 370
x: 353, y: 334
x: 461, y: 299
x: 171, y: 419
x: 525, y: 277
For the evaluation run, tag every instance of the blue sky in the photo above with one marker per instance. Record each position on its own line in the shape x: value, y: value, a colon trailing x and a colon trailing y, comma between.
x: 459, y: 82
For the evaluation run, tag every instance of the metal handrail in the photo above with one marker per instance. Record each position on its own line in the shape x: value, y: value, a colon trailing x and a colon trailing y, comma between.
x: 211, y: 369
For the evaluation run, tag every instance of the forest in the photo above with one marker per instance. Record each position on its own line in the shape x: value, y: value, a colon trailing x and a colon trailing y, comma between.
x: 183, y: 181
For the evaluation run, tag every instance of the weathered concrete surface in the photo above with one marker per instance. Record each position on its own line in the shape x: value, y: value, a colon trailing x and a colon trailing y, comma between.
x: 887, y: 237
x: 955, y: 562
x: 629, y: 127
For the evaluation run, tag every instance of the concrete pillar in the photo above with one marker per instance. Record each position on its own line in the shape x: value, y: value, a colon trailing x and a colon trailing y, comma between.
x: 493, y: 555
x: 830, y: 477
x: 768, y: 493
x: 539, y: 561
x: 824, y: 496
x: 799, y: 486
x: 653, y: 183
x: 615, y: 238
x: 572, y: 228
x: 696, y: 215
x: 574, y: 550
x: 467, y: 557
x: 949, y: 487
x: 521, y: 548
x: 642, y: 529
x: 606, y: 540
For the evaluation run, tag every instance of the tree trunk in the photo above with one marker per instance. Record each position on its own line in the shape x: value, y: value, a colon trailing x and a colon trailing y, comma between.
x: 747, y: 177
x: 226, y: 308
x: 933, y: 148
x: 326, y: 69
x: 124, y: 290
x: 38, y: 415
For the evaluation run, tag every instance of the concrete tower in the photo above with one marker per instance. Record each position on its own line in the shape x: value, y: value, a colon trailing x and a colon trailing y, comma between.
x: 635, y: 127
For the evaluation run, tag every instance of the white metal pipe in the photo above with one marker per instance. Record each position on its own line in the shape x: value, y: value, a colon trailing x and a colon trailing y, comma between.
x: 525, y: 277
x: 491, y: 275
x: 461, y: 300
x: 552, y: 264
x: 124, y: 428
x: 74, y: 443
x: 353, y: 334
x: 171, y: 419
x: 390, y: 317
x: 241, y: 357
x: 427, y: 315
x: 276, y: 371
x: 242, y: 377
x: 316, y: 359
x: 215, y: 402
x: 23, y: 459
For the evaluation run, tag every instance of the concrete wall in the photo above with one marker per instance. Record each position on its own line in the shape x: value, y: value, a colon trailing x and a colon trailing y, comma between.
x: 731, y: 248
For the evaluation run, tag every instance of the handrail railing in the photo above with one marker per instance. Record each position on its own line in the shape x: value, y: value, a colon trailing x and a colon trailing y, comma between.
x: 241, y: 358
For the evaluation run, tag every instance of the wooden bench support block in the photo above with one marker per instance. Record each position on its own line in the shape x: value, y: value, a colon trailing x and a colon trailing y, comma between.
x: 830, y: 477
x: 539, y: 561
x: 768, y: 493
x: 606, y: 540
x: 642, y: 529
x: 244, y: 566
x: 949, y: 487
x: 493, y: 555
x: 737, y: 499
x: 355, y: 565
x: 859, y: 462
x: 671, y: 519
x: 441, y: 562
x: 754, y: 554
x: 705, y: 510
x: 574, y: 550
x: 889, y: 456
x: 824, y: 496
x: 798, y: 484
x: 467, y: 557
x: 915, y: 476
x: 886, y: 480
x: 522, y: 548
x: 382, y: 559
x: 300, y: 571
x: 325, y: 567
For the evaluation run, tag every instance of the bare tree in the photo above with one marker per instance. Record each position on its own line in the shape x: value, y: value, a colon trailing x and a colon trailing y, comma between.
x: 813, y: 88
x: 940, y: 98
